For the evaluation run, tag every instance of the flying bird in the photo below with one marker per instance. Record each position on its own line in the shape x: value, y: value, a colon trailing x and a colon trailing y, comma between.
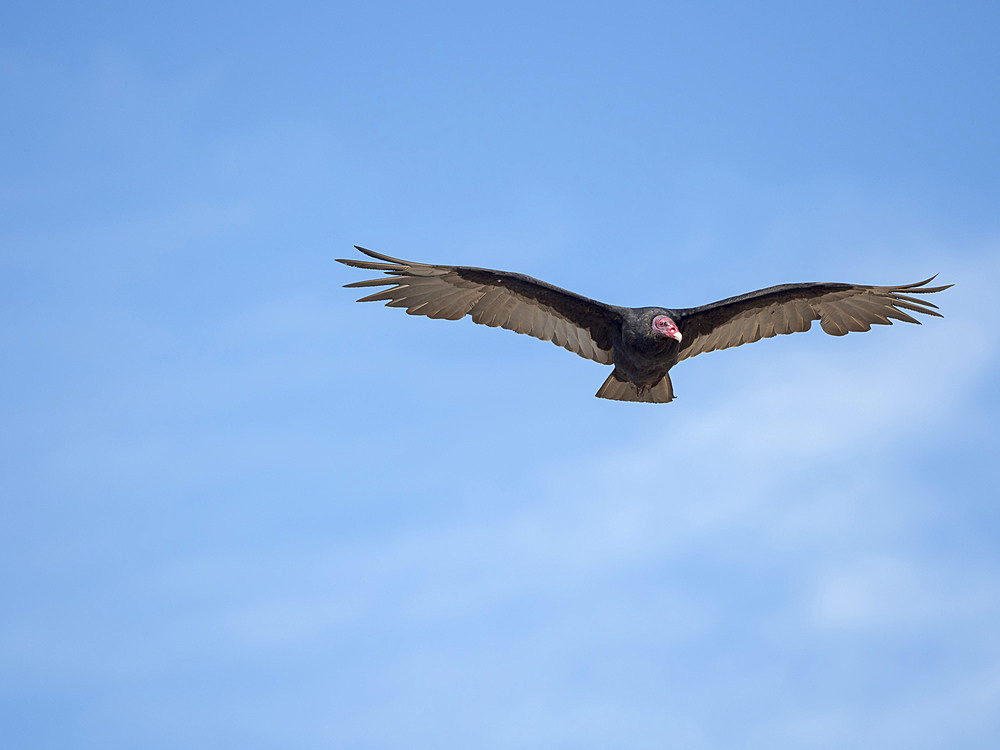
x: 642, y: 343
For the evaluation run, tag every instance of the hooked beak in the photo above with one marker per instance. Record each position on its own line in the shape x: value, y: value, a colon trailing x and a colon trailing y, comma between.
x: 676, y: 335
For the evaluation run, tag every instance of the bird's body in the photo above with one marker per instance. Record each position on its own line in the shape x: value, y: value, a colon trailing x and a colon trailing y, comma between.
x: 642, y: 343
x: 641, y: 357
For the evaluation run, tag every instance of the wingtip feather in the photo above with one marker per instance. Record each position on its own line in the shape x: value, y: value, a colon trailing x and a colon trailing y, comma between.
x: 920, y: 287
x: 380, y: 256
x: 375, y: 282
x: 371, y: 266
x: 918, y: 283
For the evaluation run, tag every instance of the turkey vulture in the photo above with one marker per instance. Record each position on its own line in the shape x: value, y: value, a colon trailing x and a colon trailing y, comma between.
x: 642, y: 343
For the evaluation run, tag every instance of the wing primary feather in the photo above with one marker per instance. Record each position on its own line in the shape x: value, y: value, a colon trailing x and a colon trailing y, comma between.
x: 915, y: 300
x: 914, y: 284
x: 917, y: 308
x: 368, y: 265
x: 382, y: 281
x: 383, y: 294
x: 380, y: 256
x: 930, y: 289
x: 417, y: 302
x: 900, y: 315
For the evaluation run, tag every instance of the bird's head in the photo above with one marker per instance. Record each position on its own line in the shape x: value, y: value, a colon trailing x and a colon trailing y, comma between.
x: 664, y: 325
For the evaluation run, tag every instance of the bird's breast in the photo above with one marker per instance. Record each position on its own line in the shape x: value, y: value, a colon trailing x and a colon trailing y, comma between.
x: 645, y: 359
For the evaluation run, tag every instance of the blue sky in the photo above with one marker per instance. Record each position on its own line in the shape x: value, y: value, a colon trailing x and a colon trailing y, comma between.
x: 239, y: 509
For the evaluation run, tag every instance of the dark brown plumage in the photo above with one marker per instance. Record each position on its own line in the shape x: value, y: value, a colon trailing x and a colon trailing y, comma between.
x: 642, y: 343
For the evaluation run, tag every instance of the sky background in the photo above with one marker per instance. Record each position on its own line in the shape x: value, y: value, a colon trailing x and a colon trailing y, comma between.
x: 239, y: 510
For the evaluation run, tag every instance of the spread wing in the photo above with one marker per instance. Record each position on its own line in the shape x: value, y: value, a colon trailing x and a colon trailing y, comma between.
x: 495, y: 298
x: 840, y: 308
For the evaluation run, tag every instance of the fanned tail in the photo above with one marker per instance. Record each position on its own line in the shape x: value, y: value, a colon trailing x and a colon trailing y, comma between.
x: 622, y: 390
